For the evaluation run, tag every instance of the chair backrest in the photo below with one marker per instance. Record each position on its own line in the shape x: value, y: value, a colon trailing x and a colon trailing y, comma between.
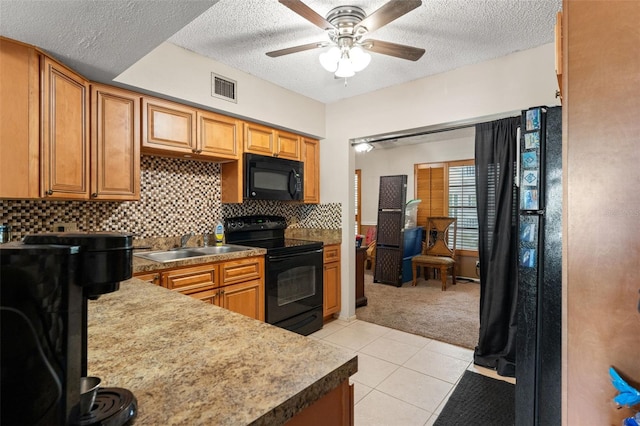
x: 438, y: 231
x: 371, y: 235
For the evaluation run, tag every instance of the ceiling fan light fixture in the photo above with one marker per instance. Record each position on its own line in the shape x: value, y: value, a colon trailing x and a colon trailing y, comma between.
x: 359, y: 58
x: 329, y: 59
x: 345, y: 68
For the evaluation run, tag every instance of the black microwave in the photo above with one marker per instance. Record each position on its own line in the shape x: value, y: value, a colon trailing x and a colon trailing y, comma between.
x: 272, y: 178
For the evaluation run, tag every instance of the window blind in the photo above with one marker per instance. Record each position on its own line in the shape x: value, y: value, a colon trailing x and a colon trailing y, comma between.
x: 463, y: 205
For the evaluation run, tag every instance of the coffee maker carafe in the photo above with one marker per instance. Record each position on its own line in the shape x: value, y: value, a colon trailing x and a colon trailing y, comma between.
x: 45, y: 283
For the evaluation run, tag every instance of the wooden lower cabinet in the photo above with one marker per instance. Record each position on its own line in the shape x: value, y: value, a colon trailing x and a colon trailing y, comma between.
x: 335, y: 408
x: 236, y: 285
x: 244, y: 298
x: 150, y: 277
x: 331, y: 279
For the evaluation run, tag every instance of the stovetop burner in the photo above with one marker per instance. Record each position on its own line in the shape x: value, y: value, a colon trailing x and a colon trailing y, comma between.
x: 266, y: 232
x: 113, y: 407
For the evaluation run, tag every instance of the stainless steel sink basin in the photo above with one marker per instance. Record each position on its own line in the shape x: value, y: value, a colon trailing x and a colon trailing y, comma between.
x: 188, y: 252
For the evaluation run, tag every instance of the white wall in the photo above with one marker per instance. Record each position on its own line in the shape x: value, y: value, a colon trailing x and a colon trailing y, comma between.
x: 513, y: 82
x: 179, y: 73
x: 400, y: 161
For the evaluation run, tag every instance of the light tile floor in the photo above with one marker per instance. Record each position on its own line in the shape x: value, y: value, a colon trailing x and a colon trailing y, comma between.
x: 402, y: 379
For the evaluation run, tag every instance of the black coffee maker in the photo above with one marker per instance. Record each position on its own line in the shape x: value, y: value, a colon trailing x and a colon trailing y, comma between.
x: 45, y: 283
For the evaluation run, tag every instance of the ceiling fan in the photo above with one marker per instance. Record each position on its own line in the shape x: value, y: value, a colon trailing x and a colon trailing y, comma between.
x: 347, y: 28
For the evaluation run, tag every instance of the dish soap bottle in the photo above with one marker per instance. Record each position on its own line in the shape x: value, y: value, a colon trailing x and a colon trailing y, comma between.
x: 219, y: 233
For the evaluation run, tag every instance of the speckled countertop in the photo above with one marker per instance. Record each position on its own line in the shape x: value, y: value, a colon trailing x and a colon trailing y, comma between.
x: 140, y: 265
x: 144, y: 265
x: 188, y: 362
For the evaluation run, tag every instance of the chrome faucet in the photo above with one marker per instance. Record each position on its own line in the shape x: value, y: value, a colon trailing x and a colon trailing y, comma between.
x: 185, y: 238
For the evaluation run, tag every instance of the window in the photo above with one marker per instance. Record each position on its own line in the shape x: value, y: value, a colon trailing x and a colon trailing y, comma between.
x: 462, y: 203
x: 449, y: 189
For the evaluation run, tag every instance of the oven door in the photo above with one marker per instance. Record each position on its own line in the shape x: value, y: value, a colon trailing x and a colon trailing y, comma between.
x: 293, y: 284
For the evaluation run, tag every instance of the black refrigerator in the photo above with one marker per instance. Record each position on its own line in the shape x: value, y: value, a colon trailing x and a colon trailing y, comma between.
x: 538, y: 342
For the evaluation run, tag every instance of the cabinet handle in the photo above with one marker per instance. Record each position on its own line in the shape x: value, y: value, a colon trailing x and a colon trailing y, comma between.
x: 49, y: 192
x: 155, y: 279
x: 275, y: 154
x: 94, y: 195
x: 195, y: 151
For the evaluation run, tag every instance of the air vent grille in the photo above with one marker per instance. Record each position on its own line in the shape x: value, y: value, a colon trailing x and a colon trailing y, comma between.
x: 223, y: 88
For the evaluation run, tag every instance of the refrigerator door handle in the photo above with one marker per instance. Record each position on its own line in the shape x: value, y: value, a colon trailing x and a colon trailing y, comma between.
x: 518, y: 157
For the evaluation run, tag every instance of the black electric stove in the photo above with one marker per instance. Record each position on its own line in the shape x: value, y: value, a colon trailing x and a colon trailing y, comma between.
x: 293, y: 271
x: 265, y: 232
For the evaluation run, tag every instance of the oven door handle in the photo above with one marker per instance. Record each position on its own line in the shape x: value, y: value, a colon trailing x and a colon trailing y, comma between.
x: 281, y: 257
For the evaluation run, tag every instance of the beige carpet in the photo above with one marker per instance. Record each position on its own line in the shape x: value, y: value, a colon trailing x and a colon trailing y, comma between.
x: 450, y: 316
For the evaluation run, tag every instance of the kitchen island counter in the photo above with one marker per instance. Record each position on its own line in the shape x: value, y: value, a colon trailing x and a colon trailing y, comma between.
x: 188, y: 362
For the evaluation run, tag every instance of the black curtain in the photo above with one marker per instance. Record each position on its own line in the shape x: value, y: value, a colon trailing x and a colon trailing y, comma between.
x: 497, y: 246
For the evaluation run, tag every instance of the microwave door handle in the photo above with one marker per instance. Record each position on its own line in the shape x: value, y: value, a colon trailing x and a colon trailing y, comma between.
x: 292, y: 183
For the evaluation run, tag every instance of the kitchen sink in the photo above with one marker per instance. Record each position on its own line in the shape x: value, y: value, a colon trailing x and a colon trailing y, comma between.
x: 189, y: 252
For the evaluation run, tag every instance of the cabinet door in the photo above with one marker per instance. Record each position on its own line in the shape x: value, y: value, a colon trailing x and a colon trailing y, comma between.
x: 150, y: 277
x: 115, y: 144
x: 65, y: 133
x: 191, y: 280
x: 168, y: 128
x: 332, y: 288
x: 288, y: 146
x: 218, y: 135
x: 311, y: 158
x: 207, y: 296
x: 259, y: 139
x: 19, y: 120
x: 244, y: 298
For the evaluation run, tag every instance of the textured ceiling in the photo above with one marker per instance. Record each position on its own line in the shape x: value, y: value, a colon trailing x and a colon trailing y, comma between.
x: 101, y: 38
x: 98, y: 38
x: 454, y: 33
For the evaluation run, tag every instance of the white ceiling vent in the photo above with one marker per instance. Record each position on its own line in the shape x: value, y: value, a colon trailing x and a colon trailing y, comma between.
x: 224, y: 88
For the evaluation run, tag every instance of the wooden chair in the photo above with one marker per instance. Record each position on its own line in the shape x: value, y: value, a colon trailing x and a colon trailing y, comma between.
x: 437, y: 253
x: 370, y: 241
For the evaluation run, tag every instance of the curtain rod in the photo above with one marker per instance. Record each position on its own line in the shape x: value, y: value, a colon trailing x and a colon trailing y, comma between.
x: 436, y: 128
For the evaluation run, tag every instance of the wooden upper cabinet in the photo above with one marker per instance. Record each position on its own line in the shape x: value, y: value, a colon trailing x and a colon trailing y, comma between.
x: 19, y: 120
x: 288, y: 145
x: 259, y: 139
x: 218, y: 135
x: 173, y: 129
x: 168, y: 127
x: 311, y: 159
x: 65, y: 132
x: 115, y: 144
x: 264, y: 140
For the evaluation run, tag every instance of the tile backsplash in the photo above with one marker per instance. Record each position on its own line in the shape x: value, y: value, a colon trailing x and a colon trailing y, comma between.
x: 177, y: 196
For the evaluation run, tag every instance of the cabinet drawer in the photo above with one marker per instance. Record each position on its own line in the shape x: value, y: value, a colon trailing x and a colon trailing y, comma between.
x: 189, y: 280
x: 242, y: 270
x: 332, y: 253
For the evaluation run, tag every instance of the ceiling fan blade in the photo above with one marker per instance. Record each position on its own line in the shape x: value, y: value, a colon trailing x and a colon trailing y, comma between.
x: 295, y: 49
x: 307, y: 13
x: 387, y: 13
x: 393, y: 49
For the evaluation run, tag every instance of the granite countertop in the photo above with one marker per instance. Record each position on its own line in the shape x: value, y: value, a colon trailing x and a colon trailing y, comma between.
x: 144, y: 265
x: 188, y: 362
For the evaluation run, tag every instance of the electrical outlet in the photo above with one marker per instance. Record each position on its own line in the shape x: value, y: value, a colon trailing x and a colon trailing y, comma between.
x: 64, y: 227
